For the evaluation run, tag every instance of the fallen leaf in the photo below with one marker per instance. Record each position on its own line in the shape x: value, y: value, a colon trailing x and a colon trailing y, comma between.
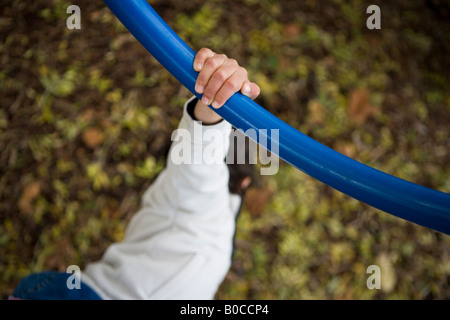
x: 292, y: 29
x: 346, y: 148
x: 256, y: 200
x: 30, y: 192
x: 360, y: 108
x: 93, y: 137
x: 316, y: 113
x: 87, y: 115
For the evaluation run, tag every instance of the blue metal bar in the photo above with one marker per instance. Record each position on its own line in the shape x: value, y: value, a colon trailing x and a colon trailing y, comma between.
x: 421, y: 205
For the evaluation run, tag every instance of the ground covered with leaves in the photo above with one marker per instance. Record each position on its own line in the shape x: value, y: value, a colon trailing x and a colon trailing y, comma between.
x: 86, y: 118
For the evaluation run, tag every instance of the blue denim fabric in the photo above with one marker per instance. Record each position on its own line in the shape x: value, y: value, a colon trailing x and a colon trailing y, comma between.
x: 51, y: 285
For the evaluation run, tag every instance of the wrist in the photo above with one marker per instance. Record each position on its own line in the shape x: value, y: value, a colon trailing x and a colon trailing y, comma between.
x: 205, y: 114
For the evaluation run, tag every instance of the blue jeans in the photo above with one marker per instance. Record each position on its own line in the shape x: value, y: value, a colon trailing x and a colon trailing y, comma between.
x: 51, y: 285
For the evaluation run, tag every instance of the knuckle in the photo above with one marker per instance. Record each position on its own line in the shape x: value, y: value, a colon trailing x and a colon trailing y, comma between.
x: 244, y: 72
x: 231, y: 85
x: 204, y: 51
x: 220, y: 76
x: 212, y: 62
x: 233, y: 62
x: 222, y: 58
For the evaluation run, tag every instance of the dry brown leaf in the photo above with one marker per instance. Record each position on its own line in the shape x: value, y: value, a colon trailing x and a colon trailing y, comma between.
x: 292, y: 29
x: 360, y: 108
x: 316, y: 114
x: 93, y: 137
x: 30, y: 192
x: 256, y: 200
x: 346, y: 148
x: 87, y: 115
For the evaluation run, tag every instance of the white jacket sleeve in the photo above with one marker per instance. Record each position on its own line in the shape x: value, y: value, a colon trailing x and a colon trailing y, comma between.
x: 179, y: 244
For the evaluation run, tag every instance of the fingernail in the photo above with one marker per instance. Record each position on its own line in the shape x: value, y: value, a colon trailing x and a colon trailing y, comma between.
x: 199, y: 66
x: 199, y: 89
x: 215, y: 105
x: 246, y: 90
x: 205, y: 100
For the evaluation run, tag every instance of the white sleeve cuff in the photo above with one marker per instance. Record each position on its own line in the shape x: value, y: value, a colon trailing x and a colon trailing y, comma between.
x: 201, y: 142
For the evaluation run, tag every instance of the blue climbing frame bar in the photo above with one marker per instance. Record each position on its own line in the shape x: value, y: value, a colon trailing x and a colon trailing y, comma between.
x: 421, y: 205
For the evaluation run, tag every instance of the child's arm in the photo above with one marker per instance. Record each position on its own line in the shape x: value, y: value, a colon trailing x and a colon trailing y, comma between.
x: 179, y: 244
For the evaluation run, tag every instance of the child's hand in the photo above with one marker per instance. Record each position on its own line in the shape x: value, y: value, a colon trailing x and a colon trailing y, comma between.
x: 219, y: 78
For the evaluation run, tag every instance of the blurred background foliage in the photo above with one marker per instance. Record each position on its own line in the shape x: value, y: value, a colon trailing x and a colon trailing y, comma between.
x: 86, y: 117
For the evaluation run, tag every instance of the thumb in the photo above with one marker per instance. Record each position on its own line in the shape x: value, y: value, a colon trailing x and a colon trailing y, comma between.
x: 250, y: 90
